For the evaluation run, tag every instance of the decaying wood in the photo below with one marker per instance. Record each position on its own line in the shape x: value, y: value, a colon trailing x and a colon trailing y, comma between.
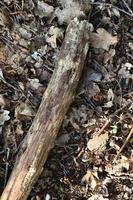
x: 54, y: 105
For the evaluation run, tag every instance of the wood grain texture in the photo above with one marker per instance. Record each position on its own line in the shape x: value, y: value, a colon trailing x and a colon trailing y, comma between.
x: 55, y: 103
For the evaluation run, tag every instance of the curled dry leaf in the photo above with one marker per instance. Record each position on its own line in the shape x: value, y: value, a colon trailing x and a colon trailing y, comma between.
x: 19, y: 130
x: 43, y: 9
x: 125, y: 71
x: 7, y: 1
x: 24, y: 112
x: 2, y: 101
x: 92, y: 89
x: 2, y: 55
x: 117, y: 168
x: 34, y: 84
x: 97, y: 197
x: 62, y: 140
x: 110, y: 98
x: 97, y: 143
x: 4, y: 116
x: 2, y: 20
x: 55, y: 33
x: 102, y: 39
x: 70, y: 10
x: 90, y: 179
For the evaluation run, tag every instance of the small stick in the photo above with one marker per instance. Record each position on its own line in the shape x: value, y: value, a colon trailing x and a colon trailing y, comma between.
x: 125, y: 143
x: 47, y: 122
x: 126, y: 5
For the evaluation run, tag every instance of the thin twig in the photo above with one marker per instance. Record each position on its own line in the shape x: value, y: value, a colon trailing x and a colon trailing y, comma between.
x: 3, y: 4
x: 104, y: 126
x: 109, y: 120
x: 126, y: 5
x: 126, y: 141
x: 110, y: 5
x: 17, y: 88
x: 120, y: 92
x: 7, y: 166
x: 8, y: 84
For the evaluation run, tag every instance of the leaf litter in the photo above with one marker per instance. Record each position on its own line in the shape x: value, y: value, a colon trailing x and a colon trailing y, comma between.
x: 88, y: 161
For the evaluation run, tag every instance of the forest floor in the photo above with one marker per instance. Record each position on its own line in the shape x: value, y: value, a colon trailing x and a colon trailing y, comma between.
x: 93, y: 155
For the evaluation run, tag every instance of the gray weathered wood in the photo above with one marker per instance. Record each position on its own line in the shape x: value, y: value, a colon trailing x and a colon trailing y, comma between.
x: 54, y: 105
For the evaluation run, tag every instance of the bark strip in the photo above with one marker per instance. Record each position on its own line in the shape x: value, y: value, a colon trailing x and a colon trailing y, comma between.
x: 54, y: 105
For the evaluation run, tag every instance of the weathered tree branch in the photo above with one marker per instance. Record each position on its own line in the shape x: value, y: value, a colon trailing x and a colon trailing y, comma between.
x: 54, y: 105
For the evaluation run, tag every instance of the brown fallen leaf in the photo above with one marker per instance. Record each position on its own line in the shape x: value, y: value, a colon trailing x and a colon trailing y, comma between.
x: 125, y: 71
x: 117, y: 168
x: 110, y: 99
x: 102, y: 39
x: 2, y: 101
x: 55, y: 33
x: 43, y: 9
x: 24, y: 112
x: 98, y: 142
x: 90, y: 179
x: 4, y: 116
x: 97, y: 197
x: 71, y: 9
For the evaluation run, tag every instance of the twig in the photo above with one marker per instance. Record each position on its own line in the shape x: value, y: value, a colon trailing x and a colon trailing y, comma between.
x: 126, y: 5
x: 110, y: 5
x: 3, y: 4
x: 104, y: 126
x: 7, y: 166
x: 17, y: 88
x: 109, y: 120
x: 130, y: 55
x: 8, y: 84
x: 126, y: 141
x: 120, y: 92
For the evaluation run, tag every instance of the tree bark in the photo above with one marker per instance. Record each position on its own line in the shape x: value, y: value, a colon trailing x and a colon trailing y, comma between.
x: 54, y: 105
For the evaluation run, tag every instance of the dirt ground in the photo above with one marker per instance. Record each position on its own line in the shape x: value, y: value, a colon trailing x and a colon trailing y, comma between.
x: 93, y: 155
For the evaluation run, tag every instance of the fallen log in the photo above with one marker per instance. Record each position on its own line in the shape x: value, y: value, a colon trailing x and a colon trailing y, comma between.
x: 54, y: 105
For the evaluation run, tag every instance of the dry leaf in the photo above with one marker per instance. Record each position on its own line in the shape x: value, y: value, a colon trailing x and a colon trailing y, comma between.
x: 126, y: 71
x: 97, y: 197
x: 110, y: 98
x: 34, y: 84
x: 2, y: 101
x: 102, y: 39
x: 54, y: 33
x: 2, y: 55
x: 62, y: 140
x: 92, y: 89
x: 97, y: 143
x: 24, y: 112
x: 70, y: 10
x: 4, y: 116
x: 117, y: 168
x: 19, y: 130
x: 2, y: 19
x: 90, y: 179
x: 7, y: 1
x: 43, y: 9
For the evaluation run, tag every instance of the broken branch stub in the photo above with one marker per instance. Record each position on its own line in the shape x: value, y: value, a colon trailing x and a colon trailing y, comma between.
x: 54, y: 105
